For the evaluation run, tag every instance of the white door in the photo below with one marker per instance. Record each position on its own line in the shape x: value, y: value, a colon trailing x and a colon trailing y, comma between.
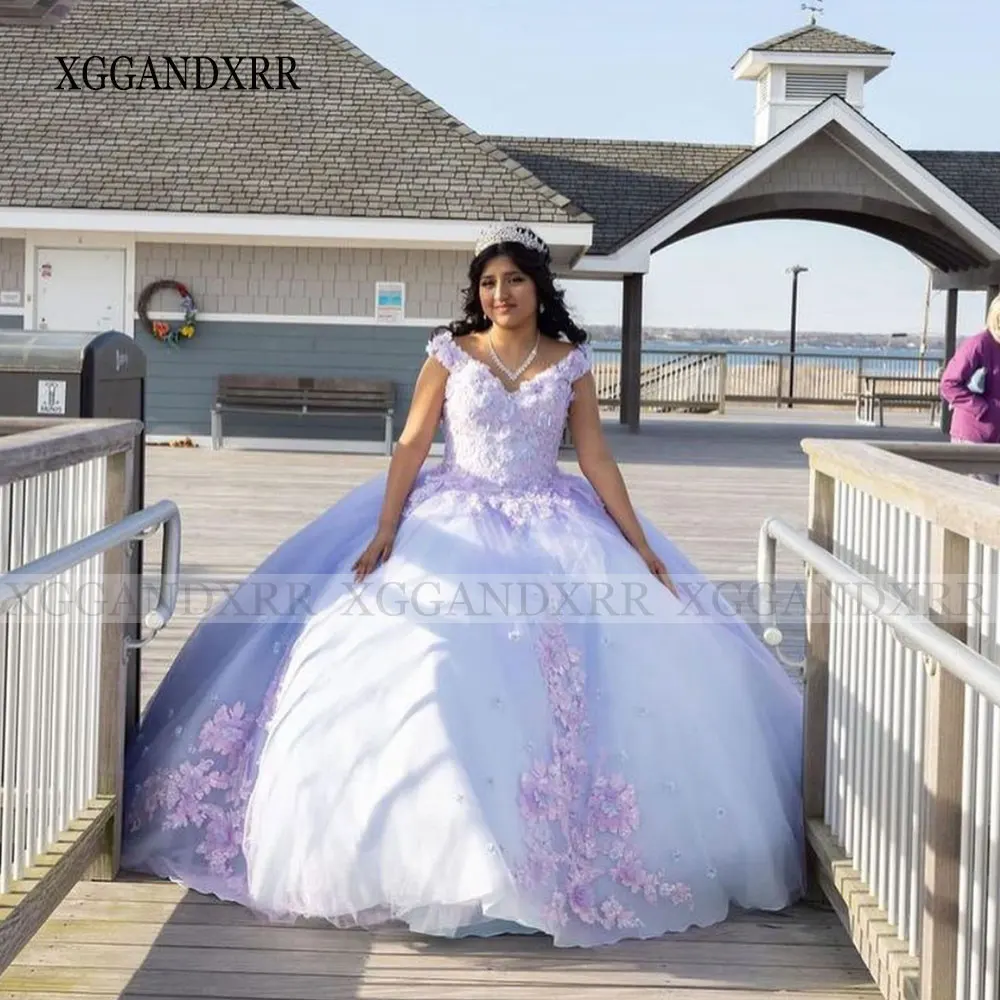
x: 80, y: 290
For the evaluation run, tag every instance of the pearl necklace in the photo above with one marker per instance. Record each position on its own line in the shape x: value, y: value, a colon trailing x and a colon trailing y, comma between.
x: 515, y: 374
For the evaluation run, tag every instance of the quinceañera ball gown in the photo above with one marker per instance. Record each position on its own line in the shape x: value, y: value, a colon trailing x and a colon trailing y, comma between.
x: 594, y: 775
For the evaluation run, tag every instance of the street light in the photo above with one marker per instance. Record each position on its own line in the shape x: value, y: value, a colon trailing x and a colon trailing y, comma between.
x: 794, y: 271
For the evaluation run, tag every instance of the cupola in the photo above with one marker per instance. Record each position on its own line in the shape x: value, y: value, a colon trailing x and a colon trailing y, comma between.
x: 802, y: 68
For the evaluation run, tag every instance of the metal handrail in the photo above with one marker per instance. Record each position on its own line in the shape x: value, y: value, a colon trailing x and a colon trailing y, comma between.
x: 17, y: 583
x: 911, y: 628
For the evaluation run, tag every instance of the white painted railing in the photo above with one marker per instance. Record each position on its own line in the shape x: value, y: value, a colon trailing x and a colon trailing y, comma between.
x: 50, y: 665
x: 979, y: 888
x: 65, y: 601
x: 699, y: 379
x: 874, y: 776
x: 902, y: 768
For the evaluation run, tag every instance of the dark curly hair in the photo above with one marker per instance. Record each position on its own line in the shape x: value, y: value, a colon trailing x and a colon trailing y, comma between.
x: 554, y: 319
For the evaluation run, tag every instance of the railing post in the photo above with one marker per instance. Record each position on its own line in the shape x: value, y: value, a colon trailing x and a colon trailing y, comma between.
x: 822, y: 493
x: 945, y: 735
x: 723, y: 379
x: 117, y: 604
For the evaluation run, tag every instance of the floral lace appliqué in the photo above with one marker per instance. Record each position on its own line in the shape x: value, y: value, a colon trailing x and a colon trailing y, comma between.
x: 521, y: 507
x: 578, y: 824
x: 210, y: 790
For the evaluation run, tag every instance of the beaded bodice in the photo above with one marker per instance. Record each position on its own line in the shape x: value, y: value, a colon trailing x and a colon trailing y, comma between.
x: 501, y: 437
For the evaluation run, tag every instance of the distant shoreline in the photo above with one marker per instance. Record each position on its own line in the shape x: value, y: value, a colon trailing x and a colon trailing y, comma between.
x: 750, y: 339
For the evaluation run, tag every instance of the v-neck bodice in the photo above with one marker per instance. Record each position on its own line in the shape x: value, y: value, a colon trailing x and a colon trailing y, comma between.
x: 501, y: 436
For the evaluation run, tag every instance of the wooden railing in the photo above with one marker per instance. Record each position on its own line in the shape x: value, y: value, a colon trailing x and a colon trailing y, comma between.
x: 902, y: 709
x: 65, y: 600
x: 706, y: 379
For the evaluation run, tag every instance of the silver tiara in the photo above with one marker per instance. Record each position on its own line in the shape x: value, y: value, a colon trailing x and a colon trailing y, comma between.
x: 508, y: 232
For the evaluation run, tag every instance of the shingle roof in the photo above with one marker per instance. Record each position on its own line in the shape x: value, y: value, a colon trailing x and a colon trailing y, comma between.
x: 627, y: 186
x: 621, y: 184
x: 973, y: 176
x: 353, y: 140
x: 813, y: 38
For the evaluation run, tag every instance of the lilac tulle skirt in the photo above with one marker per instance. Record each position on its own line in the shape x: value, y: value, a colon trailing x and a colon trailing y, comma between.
x: 446, y: 748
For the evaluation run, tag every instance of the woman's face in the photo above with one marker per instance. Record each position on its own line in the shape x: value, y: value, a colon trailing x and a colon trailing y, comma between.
x: 507, y: 295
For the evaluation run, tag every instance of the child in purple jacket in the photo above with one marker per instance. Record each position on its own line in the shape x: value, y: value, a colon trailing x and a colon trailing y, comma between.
x: 970, y: 384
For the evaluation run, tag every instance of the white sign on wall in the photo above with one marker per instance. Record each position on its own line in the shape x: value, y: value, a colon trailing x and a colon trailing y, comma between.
x: 390, y: 301
x: 10, y: 298
x: 51, y: 397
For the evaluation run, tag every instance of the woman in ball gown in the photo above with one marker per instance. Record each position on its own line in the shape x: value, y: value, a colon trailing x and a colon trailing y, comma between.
x: 481, y: 696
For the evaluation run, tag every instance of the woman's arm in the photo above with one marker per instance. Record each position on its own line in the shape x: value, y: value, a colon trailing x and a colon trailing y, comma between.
x: 414, y: 443
x: 601, y: 470
x: 408, y: 456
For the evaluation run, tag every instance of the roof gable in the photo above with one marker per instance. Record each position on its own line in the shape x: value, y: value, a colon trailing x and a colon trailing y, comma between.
x: 629, y: 187
x: 340, y: 136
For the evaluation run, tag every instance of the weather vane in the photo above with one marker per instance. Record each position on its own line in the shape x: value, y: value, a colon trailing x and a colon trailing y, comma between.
x: 816, y: 8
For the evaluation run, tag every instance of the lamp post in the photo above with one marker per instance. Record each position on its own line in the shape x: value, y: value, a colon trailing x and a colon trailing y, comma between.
x: 794, y: 271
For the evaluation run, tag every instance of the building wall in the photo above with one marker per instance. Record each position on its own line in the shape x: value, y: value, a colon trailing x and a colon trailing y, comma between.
x: 181, y: 380
x: 278, y: 298
x: 287, y: 283
x: 302, y: 281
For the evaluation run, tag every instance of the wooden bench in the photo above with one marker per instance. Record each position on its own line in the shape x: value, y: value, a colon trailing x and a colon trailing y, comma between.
x: 303, y: 396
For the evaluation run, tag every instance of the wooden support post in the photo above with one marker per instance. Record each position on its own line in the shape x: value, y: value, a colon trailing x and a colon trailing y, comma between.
x: 950, y: 342
x: 944, y: 746
x: 631, y: 365
x: 723, y: 380
x: 822, y: 492
x: 113, y: 680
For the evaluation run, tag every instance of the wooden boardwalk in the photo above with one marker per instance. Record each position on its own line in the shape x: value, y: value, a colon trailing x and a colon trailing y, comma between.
x: 708, y: 482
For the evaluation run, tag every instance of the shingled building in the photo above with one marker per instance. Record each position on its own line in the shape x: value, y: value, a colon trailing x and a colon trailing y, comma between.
x: 322, y: 212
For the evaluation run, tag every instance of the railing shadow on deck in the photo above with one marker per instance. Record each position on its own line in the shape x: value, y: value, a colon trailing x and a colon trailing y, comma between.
x: 170, y: 943
x: 902, y: 707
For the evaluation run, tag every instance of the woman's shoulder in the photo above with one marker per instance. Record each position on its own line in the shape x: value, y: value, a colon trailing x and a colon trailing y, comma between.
x: 576, y: 358
x: 977, y: 347
x: 442, y: 347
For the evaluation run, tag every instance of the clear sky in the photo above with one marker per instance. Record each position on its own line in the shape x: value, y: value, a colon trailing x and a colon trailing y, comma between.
x: 662, y: 70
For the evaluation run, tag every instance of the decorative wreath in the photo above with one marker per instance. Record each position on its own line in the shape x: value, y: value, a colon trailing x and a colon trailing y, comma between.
x: 164, y: 331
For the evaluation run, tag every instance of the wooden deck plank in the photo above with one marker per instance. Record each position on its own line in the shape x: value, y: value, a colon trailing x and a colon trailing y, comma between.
x: 742, y: 961
x: 408, y: 990
x: 294, y: 986
x: 708, y: 482
x: 730, y: 939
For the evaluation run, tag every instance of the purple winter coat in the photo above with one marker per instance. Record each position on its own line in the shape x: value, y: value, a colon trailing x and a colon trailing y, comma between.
x: 975, y: 417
